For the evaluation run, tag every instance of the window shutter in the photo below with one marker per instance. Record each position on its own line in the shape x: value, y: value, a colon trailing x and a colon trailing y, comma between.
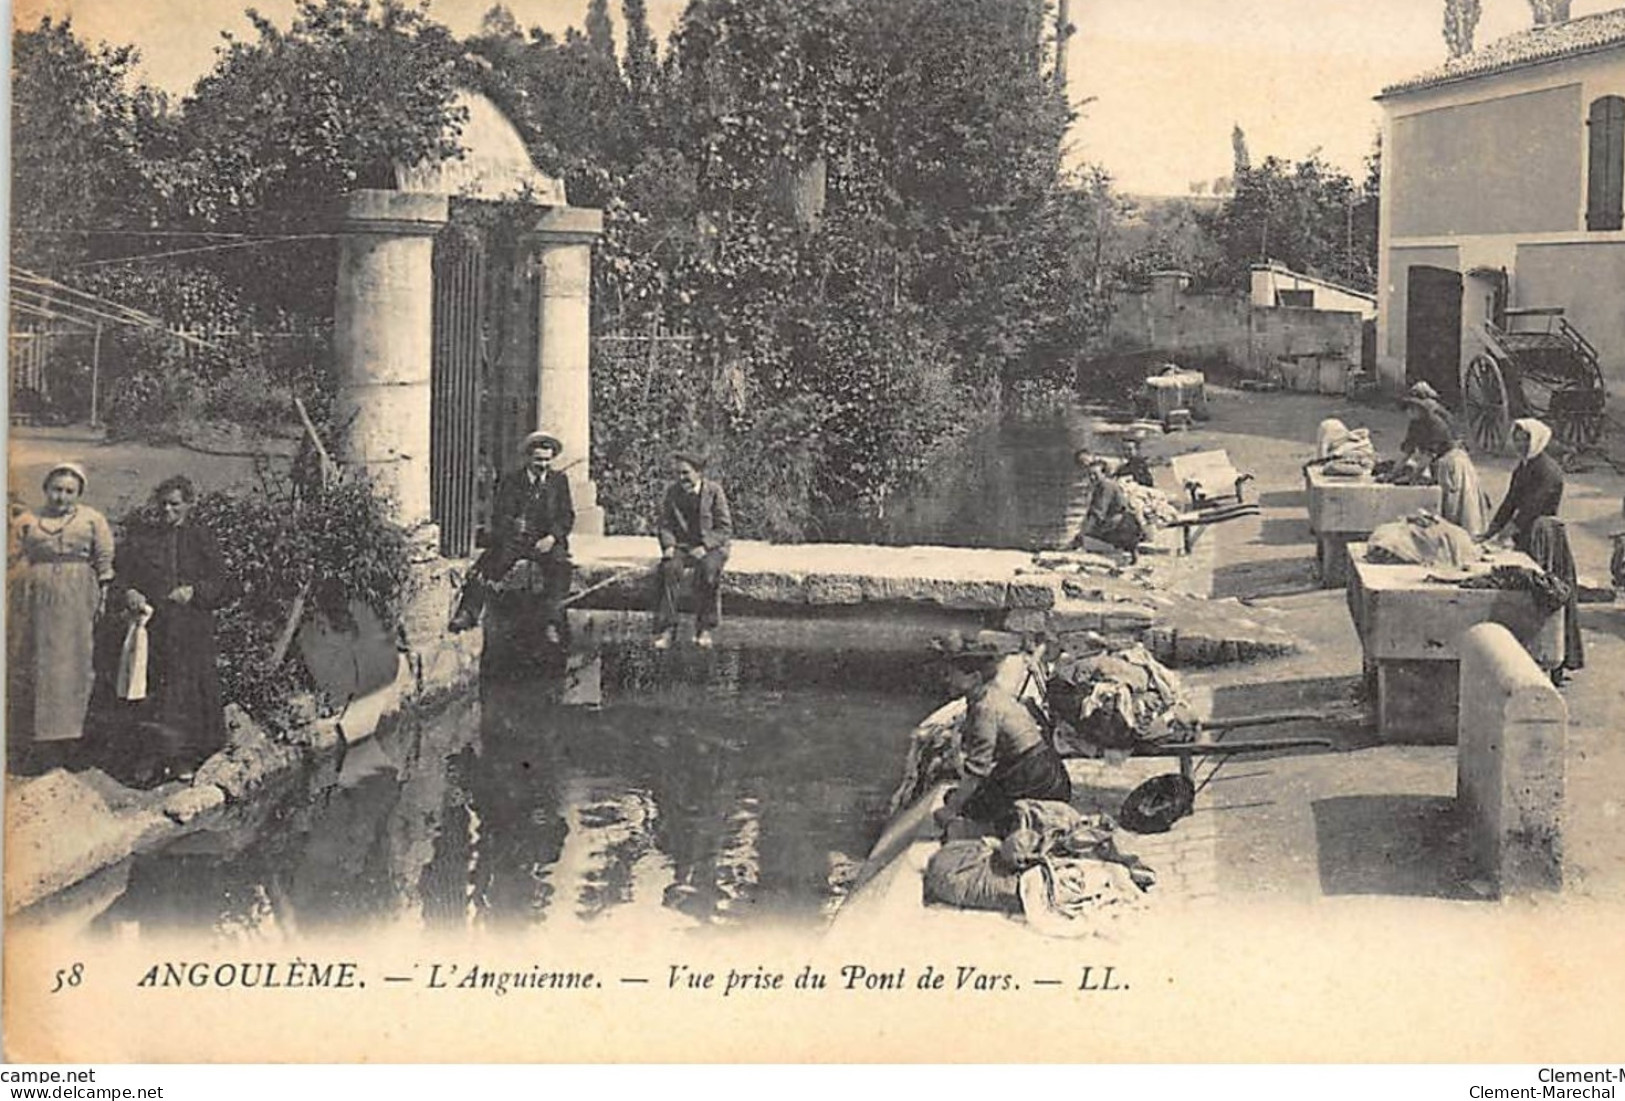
x: 1605, y: 184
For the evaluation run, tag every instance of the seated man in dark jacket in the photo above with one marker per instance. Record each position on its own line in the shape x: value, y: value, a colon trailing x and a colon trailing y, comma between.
x: 695, y: 529
x: 531, y: 520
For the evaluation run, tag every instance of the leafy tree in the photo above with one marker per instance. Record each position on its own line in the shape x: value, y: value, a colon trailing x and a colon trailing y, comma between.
x: 1302, y: 215
x: 79, y: 128
x: 289, y: 120
x: 499, y: 22
x: 1164, y: 235
x: 641, y: 61
x: 600, y: 30
x: 1240, y: 158
x: 1460, y: 21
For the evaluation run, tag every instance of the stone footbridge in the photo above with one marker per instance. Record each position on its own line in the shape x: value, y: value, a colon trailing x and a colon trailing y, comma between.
x: 938, y: 589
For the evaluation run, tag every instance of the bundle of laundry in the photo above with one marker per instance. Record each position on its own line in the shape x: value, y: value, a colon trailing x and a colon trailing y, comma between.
x: 1344, y: 451
x: 1550, y: 592
x: 933, y: 758
x: 1422, y: 539
x: 1113, y: 700
x: 1057, y: 867
x: 1150, y: 506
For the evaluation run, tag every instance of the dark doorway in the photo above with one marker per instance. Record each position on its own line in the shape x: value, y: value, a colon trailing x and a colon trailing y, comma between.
x: 1433, y: 330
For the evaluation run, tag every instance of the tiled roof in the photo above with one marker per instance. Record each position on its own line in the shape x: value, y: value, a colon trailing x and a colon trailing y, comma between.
x: 1587, y: 34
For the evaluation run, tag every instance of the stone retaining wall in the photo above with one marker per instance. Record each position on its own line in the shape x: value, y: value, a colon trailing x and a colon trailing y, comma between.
x: 62, y: 828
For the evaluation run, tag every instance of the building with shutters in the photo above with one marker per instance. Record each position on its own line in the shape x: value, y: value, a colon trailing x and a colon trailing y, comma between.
x: 1503, y: 186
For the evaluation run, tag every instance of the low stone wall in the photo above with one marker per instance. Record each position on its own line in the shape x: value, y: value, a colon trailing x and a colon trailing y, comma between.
x: 62, y: 828
x: 1303, y: 349
x: 1004, y: 590
x: 1511, y: 740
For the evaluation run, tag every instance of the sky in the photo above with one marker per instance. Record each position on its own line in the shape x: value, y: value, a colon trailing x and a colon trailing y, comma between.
x: 1158, y: 83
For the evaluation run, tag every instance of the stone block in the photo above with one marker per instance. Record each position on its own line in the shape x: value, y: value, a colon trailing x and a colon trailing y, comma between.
x: 250, y: 758
x: 769, y: 588
x: 1078, y: 642
x: 1332, y: 558
x: 1031, y: 592
x: 190, y: 802
x: 1191, y: 648
x: 435, y: 586
x: 1357, y: 506
x: 60, y: 830
x: 1162, y: 642
x: 1081, y: 615
x: 1510, y: 753
x: 1594, y: 592
x: 1126, y: 618
x: 1030, y: 621
x: 834, y: 589
x: 957, y: 593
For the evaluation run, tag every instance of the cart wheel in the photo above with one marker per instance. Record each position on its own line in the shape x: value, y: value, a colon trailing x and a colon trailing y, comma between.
x: 1157, y: 804
x: 1576, y: 416
x: 1569, y: 427
x: 1486, y: 405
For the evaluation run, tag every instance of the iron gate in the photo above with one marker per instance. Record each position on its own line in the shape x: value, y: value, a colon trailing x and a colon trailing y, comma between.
x: 456, y: 382
x: 483, y: 382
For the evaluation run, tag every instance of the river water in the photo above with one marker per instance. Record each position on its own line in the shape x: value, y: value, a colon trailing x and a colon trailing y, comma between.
x: 691, y: 789
x: 1011, y: 484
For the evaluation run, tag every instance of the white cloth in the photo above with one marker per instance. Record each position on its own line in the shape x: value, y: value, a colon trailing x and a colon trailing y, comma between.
x: 1539, y: 436
x: 1331, y: 430
x: 1463, y: 501
x: 132, y: 662
x: 1343, y: 450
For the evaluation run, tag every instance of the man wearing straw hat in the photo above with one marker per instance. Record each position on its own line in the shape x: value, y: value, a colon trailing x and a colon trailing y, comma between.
x: 531, y: 520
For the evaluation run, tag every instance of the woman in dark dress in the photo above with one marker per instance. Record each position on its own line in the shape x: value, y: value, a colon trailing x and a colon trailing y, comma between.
x: 172, y: 567
x: 1536, y: 488
x: 1006, y: 754
x: 1108, y: 517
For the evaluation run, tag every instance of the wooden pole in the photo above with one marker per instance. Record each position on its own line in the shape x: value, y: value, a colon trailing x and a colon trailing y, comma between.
x: 95, y: 374
x: 279, y: 652
x: 329, y: 468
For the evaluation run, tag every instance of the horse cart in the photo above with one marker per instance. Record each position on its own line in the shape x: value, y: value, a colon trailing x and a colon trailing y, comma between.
x: 1534, y: 364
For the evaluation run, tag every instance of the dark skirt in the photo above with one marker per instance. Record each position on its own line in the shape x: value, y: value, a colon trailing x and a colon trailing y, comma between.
x: 182, y: 720
x: 1039, y: 773
x: 1122, y: 531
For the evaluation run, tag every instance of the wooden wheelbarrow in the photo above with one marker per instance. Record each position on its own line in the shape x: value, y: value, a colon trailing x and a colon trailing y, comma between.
x: 1217, y: 492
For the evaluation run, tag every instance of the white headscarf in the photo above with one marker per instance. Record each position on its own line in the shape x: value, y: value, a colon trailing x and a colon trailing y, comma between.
x: 1539, y: 436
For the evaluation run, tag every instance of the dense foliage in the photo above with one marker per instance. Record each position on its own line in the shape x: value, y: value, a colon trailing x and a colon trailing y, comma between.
x: 867, y: 247
x: 336, y: 544
x: 853, y: 211
x: 1307, y: 215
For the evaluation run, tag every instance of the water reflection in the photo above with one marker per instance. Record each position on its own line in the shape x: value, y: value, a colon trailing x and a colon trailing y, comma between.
x: 691, y: 790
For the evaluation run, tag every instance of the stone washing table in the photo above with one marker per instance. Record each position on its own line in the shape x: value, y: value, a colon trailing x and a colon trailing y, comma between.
x: 1410, y: 632
x: 1344, y: 510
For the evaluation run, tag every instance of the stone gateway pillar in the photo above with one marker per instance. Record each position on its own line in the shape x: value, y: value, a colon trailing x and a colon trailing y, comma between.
x: 383, y: 341
x: 563, y: 240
